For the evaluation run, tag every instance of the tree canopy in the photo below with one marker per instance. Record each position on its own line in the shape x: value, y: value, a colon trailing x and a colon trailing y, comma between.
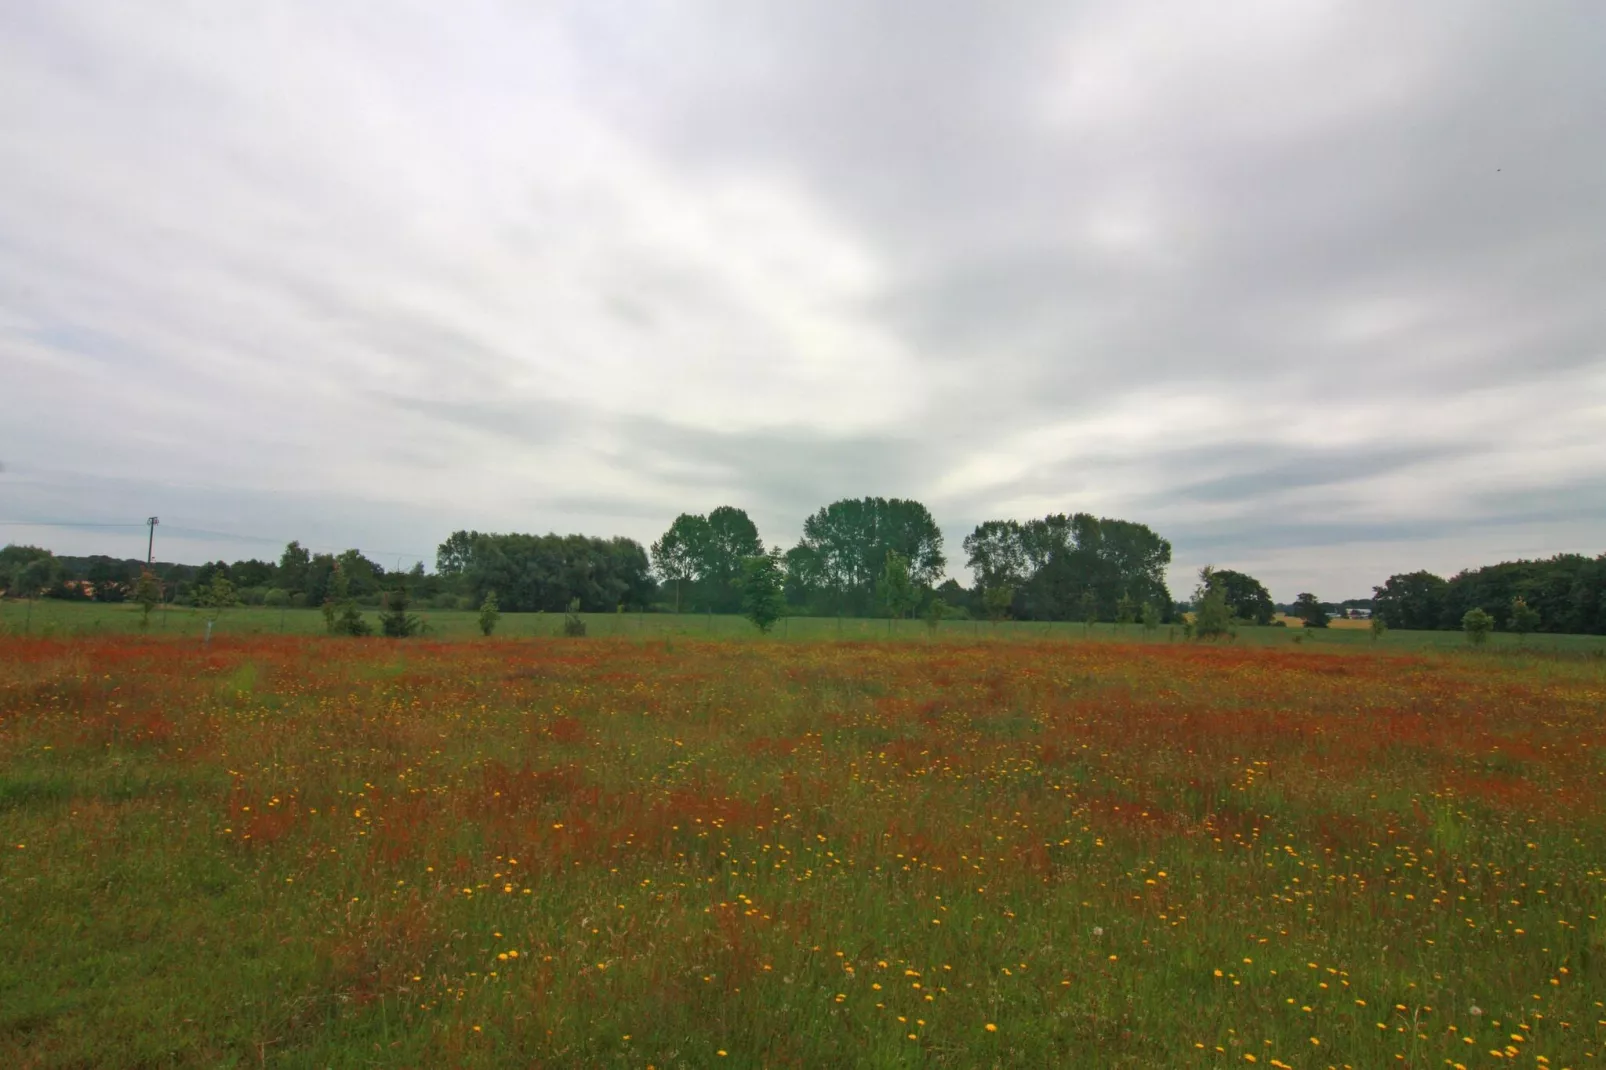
x: 1066, y: 567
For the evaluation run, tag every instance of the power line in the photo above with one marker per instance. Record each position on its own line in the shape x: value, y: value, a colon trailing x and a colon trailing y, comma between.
x: 181, y: 531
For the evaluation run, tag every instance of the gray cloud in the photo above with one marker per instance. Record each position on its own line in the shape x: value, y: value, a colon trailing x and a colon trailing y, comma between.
x: 1311, y: 288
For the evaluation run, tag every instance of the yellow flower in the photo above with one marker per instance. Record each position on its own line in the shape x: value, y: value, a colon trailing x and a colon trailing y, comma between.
x: 991, y: 1028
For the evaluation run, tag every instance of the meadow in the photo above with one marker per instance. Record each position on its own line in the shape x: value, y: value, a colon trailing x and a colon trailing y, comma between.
x: 58, y: 619
x: 660, y: 850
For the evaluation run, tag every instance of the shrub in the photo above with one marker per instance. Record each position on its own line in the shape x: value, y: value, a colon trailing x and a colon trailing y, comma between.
x: 490, y: 613
x: 278, y: 598
x: 396, y: 622
x: 1477, y: 624
x: 573, y: 626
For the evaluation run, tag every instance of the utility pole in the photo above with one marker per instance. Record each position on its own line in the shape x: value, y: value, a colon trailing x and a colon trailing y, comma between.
x: 150, y: 545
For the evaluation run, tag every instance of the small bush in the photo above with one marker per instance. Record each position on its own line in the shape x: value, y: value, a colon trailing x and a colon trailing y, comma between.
x: 573, y: 625
x: 277, y: 598
x: 1477, y: 624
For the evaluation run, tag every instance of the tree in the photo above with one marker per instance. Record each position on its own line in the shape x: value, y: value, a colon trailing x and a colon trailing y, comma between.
x: 763, y: 594
x: 574, y: 625
x: 109, y: 579
x: 293, y: 566
x: 1524, y: 618
x: 1150, y: 617
x: 1247, y: 598
x: 678, y: 555
x: 1055, y: 562
x: 395, y: 622
x: 490, y: 613
x: 1125, y: 611
x: 1309, y: 609
x: 995, y: 554
x: 996, y: 601
x: 340, y: 613
x: 1379, y: 627
x: 1411, y: 600
x: 1212, y: 618
x: 732, y: 539
x: 217, y: 595
x: 27, y: 571
x: 845, y: 545
x: 894, y: 589
x: 1477, y: 625
x: 148, y: 593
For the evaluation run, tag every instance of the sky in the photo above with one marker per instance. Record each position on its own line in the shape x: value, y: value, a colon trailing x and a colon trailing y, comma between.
x: 1314, y: 289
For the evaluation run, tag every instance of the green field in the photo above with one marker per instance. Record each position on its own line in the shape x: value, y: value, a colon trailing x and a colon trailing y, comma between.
x: 58, y: 618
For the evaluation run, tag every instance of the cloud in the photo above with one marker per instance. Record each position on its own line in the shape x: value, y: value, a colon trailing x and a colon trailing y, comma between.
x: 1312, y: 288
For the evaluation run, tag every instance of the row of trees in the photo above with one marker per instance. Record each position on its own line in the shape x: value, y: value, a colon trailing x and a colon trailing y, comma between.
x: 547, y: 572
x: 1565, y: 593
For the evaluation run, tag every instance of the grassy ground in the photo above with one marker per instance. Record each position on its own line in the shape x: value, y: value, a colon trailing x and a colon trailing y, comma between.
x: 49, y: 618
x: 674, y: 852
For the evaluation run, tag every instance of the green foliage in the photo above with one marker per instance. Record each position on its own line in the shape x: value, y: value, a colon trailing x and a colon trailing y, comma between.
x: 763, y: 590
x: 350, y: 621
x: 340, y: 613
x: 836, y: 565
x: 28, y: 571
x: 1309, y: 609
x: 1247, y: 598
x: 707, y: 554
x: 546, y: 572
x: 1477, y: 625
x: 1379, y: 627
x: 490, y: 613
x: 395, y: 622
x: 894, y: 589
x: 573, y: 625
x: 996, y: 600
x: 1150, y: 617
x: 1413, y: 600
x: 217, y: 595
x: 294, y: 564
x: 1126, y: 610
x: 937, y: 611
x: 1524, y: 618
x: 1054, y: 562
x: 148, y: 594
x: 1212, y: 617
x: 276, y: 598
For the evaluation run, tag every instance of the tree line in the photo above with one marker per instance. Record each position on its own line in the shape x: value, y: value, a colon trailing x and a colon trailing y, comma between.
x: 1565, y: 594
x: 856, y: 557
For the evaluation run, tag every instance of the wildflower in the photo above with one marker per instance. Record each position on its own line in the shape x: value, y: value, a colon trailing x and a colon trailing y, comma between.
x: 990, y: 1027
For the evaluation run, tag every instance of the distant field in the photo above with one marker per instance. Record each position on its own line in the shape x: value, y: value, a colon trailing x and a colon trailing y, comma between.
x: 671, y: 852
x: 53, y: 618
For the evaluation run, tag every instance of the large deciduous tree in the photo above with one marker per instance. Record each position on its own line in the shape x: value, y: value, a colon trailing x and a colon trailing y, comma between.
x: 845, y: 545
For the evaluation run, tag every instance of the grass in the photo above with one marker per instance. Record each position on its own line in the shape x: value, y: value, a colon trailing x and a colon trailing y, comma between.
x: 662, y: 850
x: 48, y: 618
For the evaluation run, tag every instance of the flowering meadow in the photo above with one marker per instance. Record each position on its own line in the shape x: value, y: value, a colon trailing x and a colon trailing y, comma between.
x: 665, y: 853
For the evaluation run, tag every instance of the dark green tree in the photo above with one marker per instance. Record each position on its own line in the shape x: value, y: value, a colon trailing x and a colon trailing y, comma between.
x: 293, y: 566
x: 894, y: 589
x: 763, y: 590
x: 1247, y: 598
x: 395, y: 622
x: 1524, y: 618
x: 1411, y: 600
x: 678, y: 556
x: 1308, y: 608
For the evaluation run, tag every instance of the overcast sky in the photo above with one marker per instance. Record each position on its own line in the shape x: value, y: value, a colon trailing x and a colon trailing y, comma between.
x: 1315, y: 289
